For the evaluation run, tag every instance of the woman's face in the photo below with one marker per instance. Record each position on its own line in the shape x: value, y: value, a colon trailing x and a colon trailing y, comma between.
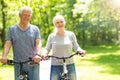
x: 59, y: 24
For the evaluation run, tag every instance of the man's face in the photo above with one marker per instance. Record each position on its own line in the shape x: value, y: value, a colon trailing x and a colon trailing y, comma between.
x: 25, y: 16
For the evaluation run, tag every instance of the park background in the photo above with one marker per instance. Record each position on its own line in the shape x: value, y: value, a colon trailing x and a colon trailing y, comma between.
x: 96, y: 24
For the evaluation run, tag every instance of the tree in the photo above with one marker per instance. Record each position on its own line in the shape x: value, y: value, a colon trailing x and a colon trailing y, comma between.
x: 3, y: 12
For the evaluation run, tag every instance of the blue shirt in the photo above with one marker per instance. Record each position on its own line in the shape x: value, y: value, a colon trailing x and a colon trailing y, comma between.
x: 23, y: 41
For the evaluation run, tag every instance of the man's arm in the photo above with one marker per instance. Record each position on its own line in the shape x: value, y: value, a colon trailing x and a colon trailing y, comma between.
x: 6, y: 49
x: 38, y: 45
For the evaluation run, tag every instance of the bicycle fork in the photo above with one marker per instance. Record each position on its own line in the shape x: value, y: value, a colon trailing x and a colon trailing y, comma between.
x: 64, y: 75
x: 23, y: 75
x: 65, y: 68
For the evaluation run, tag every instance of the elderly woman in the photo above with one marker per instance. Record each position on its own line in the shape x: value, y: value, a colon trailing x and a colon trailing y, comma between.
x: 61, y: 42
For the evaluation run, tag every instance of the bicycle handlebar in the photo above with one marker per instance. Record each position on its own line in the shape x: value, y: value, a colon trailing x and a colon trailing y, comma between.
x: 12, y: 62
x: 65, y: 57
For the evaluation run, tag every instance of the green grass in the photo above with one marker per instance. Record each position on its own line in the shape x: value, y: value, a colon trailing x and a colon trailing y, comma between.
x: 6, y: 72
x: 100, y: 63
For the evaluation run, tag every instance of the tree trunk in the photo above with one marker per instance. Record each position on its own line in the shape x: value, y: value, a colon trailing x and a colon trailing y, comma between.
x: 83, y: 38
x: 3, y: 23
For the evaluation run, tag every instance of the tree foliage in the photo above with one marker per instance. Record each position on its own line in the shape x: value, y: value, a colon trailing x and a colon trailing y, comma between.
x: 93, y: 21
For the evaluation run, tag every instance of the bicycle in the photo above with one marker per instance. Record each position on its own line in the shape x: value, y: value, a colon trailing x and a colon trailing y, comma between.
x: 23, y: 74
x: 65, y: 74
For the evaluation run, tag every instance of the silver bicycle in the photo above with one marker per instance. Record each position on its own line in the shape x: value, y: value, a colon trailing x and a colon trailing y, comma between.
x: 23, y: 74
x: 64, y: 74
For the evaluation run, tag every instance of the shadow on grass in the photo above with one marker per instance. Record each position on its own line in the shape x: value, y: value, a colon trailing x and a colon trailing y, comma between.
x: 112, y: 63
x: 102, y: 49
x: 5, y: 66
x: 108, y: 57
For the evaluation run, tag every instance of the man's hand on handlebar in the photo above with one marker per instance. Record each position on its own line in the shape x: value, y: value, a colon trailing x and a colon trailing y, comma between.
x: 3, y: 60
x: 37, y: 59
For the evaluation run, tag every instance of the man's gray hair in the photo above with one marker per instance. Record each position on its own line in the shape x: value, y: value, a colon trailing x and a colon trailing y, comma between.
x: 27, y: 8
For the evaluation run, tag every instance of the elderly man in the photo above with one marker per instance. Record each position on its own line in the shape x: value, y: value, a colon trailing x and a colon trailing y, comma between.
x: 26, y: 42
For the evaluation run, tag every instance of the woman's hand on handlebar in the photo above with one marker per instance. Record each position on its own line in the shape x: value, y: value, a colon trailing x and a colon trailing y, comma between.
x: 43, y: 56
x: 82, y: 53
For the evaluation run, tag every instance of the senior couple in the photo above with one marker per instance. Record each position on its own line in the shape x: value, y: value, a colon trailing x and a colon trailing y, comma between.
x: 25, y: 40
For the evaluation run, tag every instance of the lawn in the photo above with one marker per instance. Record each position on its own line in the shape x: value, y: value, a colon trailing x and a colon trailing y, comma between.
x: 100, y: 63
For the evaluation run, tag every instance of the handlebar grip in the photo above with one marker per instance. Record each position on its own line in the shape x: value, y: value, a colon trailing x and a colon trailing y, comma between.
x: 30, y: 58
x: 47, y: 57
x: 80, y: 53
x: 10, y: 62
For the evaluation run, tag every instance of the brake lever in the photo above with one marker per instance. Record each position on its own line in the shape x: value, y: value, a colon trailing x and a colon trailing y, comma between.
x: 80, y: 53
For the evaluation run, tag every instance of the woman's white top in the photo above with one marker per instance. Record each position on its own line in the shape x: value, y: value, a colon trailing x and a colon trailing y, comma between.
x: 62, y: 46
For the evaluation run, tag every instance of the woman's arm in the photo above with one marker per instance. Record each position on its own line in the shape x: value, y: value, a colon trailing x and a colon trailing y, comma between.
x: 76, y: 45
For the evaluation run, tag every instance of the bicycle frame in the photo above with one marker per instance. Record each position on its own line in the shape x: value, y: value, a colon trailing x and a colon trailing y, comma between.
x: 23, y: 74
x: 64, y: 75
